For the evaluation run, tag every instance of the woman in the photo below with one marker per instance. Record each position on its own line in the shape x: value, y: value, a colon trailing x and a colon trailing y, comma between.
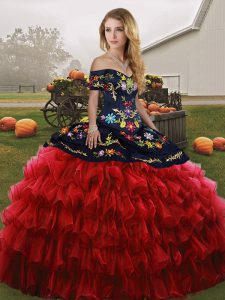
x: 112, y: 209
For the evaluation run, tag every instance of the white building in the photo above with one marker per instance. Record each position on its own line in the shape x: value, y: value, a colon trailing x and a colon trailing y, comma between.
x: 195, y: 55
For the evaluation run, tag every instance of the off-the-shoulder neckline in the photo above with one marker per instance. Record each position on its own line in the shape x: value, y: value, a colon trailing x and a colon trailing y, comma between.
x: 100, y: 70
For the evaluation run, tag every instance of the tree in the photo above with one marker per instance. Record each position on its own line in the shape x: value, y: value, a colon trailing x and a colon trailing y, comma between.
x: 74, y: 64
x: 31, y: 57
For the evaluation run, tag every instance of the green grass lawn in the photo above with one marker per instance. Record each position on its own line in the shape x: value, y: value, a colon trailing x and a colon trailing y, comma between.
x: 201, y: 121
x: 24, y: 97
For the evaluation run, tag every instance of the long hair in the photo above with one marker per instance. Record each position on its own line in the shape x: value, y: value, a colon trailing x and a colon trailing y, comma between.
x: 132, y: 46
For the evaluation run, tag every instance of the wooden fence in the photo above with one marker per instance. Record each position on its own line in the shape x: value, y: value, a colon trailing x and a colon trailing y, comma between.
x: 17, y: 88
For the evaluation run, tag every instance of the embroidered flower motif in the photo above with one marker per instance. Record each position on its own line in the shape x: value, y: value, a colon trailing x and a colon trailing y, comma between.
x: 122, y: 132
x: 158, y: 145
x: 148, y: 135
x: 137, y: 137
x: 106, y: 88
x: 75, y: 130
x: 69, y: 134
x: 110, y: 118
x: 123, y: 86
x: 110, y: 152
x: 130, y: 84
x: 101, y: 153
x: 129, y: 137
x: 149, y: 144
x: 79, y: 135
x: 164, y: 138
x: 122, y: 124
x: 130, y: 126
x: 128, y: 103
x: 127, y: 111
x: 96, y: 81
x: 137, y: 124
x: 64, y: 130
x: 102, y: 117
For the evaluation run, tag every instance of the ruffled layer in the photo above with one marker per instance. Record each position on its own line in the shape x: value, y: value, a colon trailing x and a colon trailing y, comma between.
x: 111, y: 230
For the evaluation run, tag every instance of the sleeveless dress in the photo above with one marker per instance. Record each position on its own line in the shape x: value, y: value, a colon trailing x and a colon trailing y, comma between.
x: 129, y: 219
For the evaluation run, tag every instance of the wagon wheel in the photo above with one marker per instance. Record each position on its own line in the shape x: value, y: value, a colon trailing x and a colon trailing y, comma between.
x: 68, y: 112
x: 50, y: 113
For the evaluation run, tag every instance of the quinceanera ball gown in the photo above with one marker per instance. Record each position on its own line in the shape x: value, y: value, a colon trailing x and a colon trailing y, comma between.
x: 130, y: 218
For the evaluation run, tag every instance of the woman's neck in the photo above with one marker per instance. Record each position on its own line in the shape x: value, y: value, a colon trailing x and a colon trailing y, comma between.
x: 118, y: 53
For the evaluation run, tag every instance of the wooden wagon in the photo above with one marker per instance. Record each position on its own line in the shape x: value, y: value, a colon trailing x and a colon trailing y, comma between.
x: 66, y: 108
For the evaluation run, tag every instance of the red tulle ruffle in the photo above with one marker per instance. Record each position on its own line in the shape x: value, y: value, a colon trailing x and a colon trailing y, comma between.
x: 111, y: 230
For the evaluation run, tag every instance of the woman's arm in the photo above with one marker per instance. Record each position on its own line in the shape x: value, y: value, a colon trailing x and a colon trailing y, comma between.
x: 92, y: 106
x: 144, y: 115
x: 93, y: 133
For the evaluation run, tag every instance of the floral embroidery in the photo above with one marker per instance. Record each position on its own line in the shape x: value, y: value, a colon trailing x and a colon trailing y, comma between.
x: 69, y: 148
x: 155, y: 143
x: 175, y: 156
x: 150, y: 160
x: 64, y: 130
x: 109, y: 141
x: 78, y: 132
x: 102, y: 82
x: 126, y: 83
x: 101, y: 153
x: 96, y: 81
x: 108, y: 152
x: 158, y: 145
x: 123, y: 114
x: 127, y: 103
x: 130, y: 137
x: 148, y: 135
x: 130, y: 126
x: 110, y: 118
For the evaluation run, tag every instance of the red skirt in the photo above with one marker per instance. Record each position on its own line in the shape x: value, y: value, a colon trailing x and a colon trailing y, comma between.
x: 87, y: 230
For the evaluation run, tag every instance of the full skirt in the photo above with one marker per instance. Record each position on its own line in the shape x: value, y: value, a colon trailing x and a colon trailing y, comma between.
x: 119, y: 230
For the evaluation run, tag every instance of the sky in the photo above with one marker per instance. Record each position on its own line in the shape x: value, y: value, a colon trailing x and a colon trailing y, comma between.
x: 78, y: 21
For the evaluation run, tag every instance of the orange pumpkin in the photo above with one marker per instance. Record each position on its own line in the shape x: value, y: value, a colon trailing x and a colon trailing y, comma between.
x: 203, y: 145
x: 153, y: 107
x: 7, y: 123
x: 71, y: 73
x: 164, y: 109
x: 154, y: 113
x: 75, y: 74
x: 50, y: 87
x: 25, y: 128
x: 219, y: 143
x: 172, y: 108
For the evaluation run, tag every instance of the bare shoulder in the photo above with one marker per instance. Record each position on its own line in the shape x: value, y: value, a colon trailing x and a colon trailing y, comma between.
x: 99, y: 63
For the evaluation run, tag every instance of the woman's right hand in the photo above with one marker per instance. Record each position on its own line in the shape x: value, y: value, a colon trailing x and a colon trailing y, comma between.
x: 92, y: 139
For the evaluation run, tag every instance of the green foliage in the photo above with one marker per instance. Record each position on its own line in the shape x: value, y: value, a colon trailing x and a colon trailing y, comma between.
x: 67, y: 86
x: 150, y: 78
